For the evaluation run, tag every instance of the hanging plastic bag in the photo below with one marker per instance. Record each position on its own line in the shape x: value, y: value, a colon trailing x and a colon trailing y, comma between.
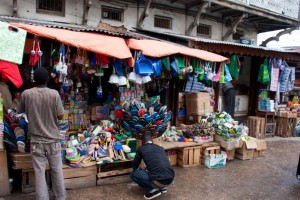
x: 264, y: 76
x: 216, y: 77
x: 209, y: 72
x: 234, y: 67
x: 222, y: 77
x: 227, y: 74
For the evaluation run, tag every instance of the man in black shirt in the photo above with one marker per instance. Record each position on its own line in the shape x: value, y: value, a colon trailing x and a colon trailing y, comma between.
x: 158, y: 173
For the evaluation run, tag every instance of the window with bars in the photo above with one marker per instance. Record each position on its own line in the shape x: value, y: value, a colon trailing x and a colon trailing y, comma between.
x: 204, y: 30
x: 112, y: 13
x: 163, y: 22
x: 51, y: 6
x: 238, y: 35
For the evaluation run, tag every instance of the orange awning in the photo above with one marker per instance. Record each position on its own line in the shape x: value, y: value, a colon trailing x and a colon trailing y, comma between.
x: 154, y: 48
x: 98, y: 43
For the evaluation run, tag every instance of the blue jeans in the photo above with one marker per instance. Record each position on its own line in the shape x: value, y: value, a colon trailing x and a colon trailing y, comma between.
x: 141, y: 177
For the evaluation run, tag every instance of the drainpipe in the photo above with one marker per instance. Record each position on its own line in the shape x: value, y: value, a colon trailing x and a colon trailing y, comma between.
x: 15, y: 8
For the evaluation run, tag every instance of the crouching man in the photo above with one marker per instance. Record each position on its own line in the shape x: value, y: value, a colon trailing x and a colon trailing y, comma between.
x: 158, y: 173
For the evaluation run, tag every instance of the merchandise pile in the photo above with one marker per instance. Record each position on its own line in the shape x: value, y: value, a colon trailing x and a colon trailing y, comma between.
x: 199, y: 132
x: 226, y: 127
x: 139, y: 118
x: 101, y: 143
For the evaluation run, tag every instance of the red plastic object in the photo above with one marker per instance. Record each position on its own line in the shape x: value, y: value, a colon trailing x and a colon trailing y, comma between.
x: 119, y: 114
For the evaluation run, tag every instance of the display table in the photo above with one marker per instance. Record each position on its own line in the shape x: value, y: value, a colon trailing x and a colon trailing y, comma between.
x: 92, y: 174
x: 285, y: 126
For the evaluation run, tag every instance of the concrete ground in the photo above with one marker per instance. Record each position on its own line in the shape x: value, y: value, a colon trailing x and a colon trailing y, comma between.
x: 271, y: 177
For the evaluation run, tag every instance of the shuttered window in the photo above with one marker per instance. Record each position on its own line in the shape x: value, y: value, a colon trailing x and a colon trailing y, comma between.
x: 112, y: 14
x: 51, y: 6
x: 162, y: 22
x: 204, y: 30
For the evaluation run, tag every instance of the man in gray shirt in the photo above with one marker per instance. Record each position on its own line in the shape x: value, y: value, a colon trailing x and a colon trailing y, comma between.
x: 43, y: 108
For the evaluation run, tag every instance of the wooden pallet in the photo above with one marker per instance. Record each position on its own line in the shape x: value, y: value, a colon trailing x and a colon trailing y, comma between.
x: 257, y: 127
x: 189, y: 156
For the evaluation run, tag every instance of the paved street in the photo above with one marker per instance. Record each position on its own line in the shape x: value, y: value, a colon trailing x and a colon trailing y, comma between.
x: 270, y: 177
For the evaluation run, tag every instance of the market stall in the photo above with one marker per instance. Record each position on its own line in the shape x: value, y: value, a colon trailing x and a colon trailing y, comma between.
x: 110, y: 101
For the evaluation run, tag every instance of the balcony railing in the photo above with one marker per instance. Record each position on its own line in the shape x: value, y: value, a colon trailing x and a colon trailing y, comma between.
x: 288, y: 8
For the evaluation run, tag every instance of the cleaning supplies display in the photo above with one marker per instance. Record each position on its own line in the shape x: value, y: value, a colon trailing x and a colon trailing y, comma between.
x: 226, y: 127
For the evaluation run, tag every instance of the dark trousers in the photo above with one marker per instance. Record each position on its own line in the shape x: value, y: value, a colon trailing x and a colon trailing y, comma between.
x: 141, y: 177
x: 230, y: 101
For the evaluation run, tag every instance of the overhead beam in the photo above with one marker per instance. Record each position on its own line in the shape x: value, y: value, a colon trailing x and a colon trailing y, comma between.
x: 218, y: 9
x: 144, y: 14
x: 233, y: 27
x: 193, y: 4
x: 173, y: 1
x: 255, y: 11
x: 196, y: 21
x: 276, y: 38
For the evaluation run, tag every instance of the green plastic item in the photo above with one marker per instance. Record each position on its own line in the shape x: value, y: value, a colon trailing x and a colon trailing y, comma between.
x: 118, y: 137
x: 128, y: 133
x: 222, y: 76
x: 166, y: 63
x: 234, y: 67
x: 180, y: 62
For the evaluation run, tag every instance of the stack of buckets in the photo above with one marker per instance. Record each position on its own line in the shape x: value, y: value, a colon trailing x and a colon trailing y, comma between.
x: 266, y: 105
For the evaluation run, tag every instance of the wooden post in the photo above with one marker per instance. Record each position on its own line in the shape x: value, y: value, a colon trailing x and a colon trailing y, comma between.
x: 4, y: 180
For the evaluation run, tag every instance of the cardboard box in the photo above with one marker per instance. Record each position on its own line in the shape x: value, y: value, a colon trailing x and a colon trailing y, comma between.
x: 250, y: 149
x: 215, y: 160
x: 227, y: 144
x: 197, y: 103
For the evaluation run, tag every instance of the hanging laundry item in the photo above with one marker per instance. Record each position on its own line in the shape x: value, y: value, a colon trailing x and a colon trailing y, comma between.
x: 234, y: 67
x: 274, y: 74
x: 287, y: 78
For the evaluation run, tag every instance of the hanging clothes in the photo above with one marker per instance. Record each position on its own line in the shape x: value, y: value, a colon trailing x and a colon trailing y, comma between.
x: 287, y: 78
x: 274, y: 74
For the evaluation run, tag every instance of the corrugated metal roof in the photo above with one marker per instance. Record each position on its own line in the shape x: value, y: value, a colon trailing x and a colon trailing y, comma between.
x: 198, y: 39
x: 73, y: 27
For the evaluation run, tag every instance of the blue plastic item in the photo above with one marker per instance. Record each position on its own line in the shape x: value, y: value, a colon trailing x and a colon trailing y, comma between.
x: 144, y: 67
x: 157, y: 66
x: 174, y: 68
x: 118, y: 65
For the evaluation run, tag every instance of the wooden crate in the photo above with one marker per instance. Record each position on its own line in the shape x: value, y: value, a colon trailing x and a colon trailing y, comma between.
x: 111, y: 173
x: 81, y: 177
x: 257, y: 127
x: 208, y: 150
x: 285, y: 126
x: 189, y: 156
x: 28, y: 180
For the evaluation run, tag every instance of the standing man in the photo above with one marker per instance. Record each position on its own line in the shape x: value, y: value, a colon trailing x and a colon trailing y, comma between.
x: 43, y: 108
x: 229, y: 93
x: 158, y: 173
